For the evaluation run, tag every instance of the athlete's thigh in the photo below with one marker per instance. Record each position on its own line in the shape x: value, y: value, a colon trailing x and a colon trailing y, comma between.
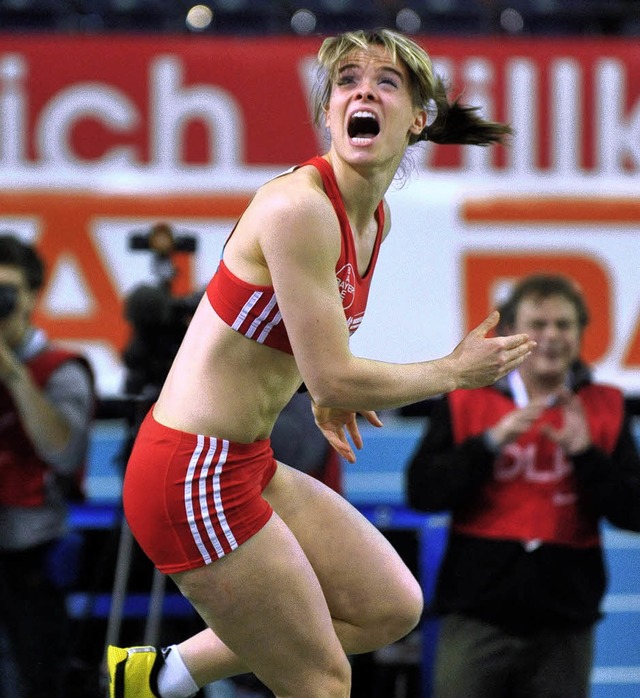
x: 265, y: 603
x: 359, y: 570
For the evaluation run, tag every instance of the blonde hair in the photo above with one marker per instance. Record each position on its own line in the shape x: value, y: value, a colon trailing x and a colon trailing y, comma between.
x: 454, y: 123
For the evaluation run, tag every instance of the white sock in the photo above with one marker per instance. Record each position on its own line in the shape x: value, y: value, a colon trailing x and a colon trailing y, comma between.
x: 174, y: 679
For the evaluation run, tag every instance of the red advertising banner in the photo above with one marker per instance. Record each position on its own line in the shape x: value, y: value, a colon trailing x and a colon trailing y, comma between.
x: 103, y: 136
x: 189, y: 102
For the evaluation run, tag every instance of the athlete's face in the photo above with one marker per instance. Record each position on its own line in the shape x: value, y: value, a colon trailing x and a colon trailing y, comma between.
x: 553, y: 323
x: 370, y: 112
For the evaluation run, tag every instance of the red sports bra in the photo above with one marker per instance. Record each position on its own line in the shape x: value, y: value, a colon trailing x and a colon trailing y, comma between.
x: 253, y: 310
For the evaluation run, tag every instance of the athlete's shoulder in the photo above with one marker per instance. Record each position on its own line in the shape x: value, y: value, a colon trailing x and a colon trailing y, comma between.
x: 296, y: 193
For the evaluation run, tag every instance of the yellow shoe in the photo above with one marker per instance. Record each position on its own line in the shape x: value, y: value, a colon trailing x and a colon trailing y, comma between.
x: 133, y: 671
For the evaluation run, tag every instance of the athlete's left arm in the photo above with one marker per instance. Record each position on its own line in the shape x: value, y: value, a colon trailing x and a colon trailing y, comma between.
x: 332, y: 422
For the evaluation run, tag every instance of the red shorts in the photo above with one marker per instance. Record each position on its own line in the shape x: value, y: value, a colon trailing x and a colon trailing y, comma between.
x: 191, y: 499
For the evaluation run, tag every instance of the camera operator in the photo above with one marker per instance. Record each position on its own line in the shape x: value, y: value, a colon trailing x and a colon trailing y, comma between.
x: 46, y: 407
x: 158, y: 317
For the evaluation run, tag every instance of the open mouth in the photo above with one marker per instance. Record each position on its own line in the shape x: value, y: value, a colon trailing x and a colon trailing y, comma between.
x: 363, y: 126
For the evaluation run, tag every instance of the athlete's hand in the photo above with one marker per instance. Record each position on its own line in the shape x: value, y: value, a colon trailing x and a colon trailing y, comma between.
x: 332, y: 422
x: 480, y: 360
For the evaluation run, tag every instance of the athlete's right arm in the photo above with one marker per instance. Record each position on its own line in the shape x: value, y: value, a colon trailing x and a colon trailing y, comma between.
x: 300, y: 240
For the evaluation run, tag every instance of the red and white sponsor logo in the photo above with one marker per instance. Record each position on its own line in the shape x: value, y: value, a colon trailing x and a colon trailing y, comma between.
x: 347, y: 285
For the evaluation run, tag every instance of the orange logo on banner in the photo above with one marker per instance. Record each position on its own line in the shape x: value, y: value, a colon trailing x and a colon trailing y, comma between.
x: 632, y: 355
x: 484, y: 272
x: 65, y: 220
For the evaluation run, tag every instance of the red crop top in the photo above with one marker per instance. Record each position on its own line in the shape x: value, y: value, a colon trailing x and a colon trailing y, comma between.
x: 253, y: 310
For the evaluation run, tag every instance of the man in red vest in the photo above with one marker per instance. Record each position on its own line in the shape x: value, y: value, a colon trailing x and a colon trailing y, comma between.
x: 46, y: 408
x: 528, y: 468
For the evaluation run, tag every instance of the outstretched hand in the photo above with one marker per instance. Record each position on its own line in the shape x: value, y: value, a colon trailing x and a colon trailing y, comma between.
x: 480, y: 360
x: 332, y: 423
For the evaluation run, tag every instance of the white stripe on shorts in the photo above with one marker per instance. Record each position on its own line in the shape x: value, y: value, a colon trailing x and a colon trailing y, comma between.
x: 202, y: 492
x: 217, y: 496
x: 202, y: 495
x: 188, y: 501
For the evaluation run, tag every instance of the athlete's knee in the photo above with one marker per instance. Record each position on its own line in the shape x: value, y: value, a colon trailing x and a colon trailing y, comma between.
x: 329, y: 679
x: 334, y: 681
x: 401, y: 611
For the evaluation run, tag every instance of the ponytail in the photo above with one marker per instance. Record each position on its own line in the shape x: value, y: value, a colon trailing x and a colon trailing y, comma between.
x: 456, y: 123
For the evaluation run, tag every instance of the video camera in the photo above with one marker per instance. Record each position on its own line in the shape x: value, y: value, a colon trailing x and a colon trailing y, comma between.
x: 158, y: 318
x: 161, y: 241
x: 159, y: 236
